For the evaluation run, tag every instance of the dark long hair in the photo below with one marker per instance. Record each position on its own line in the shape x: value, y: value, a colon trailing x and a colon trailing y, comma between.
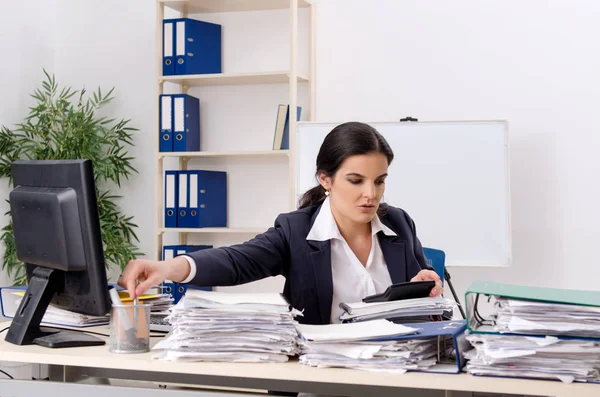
x: 345, y: 140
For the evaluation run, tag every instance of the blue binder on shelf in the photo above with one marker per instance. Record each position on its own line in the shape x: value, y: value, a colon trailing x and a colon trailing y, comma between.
x: 171, y: 190
x: 178, y: 290
x: 202, y: 199
x: 186, y: 123
x: 168, y: 48
x: 171, y: 251
x: 444, y: 331
x: 197, y: 47
x: 165, y: 103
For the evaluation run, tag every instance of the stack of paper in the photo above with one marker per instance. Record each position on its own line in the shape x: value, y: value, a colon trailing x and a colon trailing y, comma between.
x: 217, y: 326
x: 537, y: 332
x: 534, y: 357
x: 366, y: 346
x: 11, y: 299
x: 399, y: 309
x: 546, y: 318
x: 58, y: 316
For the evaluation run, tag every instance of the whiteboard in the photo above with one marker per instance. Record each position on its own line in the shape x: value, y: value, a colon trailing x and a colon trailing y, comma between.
x: 452, y: 178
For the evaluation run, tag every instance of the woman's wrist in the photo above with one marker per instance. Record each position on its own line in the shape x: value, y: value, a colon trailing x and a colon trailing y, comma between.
x: 179, y: 269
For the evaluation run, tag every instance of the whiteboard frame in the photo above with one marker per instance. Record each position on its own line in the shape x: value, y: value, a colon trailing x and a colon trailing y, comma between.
x: 508, y: 195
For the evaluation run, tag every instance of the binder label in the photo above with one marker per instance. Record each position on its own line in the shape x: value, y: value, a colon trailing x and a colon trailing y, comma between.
x: 168, y: 39
x: 183, y: 190
x: 180, y: 37
x: 166, y: 113
x: 179, y: 115
x: 193, y: 190
x: 170, y: 203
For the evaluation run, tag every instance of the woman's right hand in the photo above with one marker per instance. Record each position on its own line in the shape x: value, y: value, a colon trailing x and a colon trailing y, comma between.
x: 150, y: 273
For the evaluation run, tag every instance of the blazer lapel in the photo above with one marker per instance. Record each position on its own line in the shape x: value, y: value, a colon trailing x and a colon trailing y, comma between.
x: 394, y: 253
x: 321, y: 262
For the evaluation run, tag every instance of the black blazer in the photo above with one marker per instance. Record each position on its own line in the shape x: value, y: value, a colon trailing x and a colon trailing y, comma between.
x: 306, y: 265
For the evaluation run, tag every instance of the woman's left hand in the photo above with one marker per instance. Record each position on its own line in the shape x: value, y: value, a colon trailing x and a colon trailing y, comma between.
x: 425, y: 275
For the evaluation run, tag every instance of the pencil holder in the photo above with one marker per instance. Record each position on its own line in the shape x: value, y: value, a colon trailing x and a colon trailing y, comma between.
x: 130, y: 328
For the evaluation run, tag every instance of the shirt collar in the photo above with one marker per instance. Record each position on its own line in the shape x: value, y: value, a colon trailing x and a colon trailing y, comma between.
x: 324, y: 228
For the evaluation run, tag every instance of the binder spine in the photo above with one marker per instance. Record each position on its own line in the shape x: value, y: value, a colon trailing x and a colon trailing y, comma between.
x: 166, y: 123
x: 179, y: 124
x: 181, y: 66
x: 183, y: 200
x: 186, y: 123
x: 171, y: 189
x: 167, y: 48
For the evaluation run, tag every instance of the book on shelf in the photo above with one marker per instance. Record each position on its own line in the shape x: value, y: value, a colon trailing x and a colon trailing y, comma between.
x: 281, y: 139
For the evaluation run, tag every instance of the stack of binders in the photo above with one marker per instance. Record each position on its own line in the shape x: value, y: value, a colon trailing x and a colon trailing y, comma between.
x: 533, y: 332
x: 179, y: 123
x: 195, y: 199
x: 191, y: 47
x: 178, y: 290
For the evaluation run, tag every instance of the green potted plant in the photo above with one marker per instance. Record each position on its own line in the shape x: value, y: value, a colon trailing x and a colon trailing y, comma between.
x: 64, y: 124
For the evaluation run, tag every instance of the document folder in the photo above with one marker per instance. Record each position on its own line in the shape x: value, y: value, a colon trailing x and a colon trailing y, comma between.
x: 485, y: 290
x: 205, y: 201
x: 168, y: 66
x: 166, y: 123
x: 450, y: 357
x: 171, y: 190
x: 186, y: 123
x: 197, y: 47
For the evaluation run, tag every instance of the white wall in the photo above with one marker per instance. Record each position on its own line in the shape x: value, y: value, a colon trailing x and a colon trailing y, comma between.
x: 111, y: 44
x: 27, y: 46
x: 534, y: 63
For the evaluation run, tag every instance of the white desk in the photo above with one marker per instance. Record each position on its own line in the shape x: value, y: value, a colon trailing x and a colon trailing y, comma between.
x: 99, y: 362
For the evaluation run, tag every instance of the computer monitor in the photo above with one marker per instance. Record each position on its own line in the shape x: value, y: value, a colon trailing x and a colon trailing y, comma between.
x: 57, y: 235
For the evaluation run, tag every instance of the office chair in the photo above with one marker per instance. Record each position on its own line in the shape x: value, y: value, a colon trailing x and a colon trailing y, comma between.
x: 437, y: 259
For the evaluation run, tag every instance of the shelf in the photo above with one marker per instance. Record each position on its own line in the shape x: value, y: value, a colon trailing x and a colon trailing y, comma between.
x: 196, y: 80
x: 224, y: 230
x: 263, y: 153
x: 209, y: 6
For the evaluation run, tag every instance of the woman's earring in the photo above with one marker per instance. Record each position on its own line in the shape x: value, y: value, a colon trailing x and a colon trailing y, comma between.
x: 326, y: 192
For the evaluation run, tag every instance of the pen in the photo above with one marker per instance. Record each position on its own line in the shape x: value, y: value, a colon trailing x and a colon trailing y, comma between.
x: 114, y: 297
x: 136, y: 302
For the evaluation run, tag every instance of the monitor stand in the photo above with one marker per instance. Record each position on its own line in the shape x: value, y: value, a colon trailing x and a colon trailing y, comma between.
x: 25, y: 327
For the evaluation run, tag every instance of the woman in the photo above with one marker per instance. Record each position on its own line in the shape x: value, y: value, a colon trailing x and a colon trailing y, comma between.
x: 340, y: 246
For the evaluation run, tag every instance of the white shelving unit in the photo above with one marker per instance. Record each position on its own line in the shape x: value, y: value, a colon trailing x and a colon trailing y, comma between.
x: 235, y: 158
